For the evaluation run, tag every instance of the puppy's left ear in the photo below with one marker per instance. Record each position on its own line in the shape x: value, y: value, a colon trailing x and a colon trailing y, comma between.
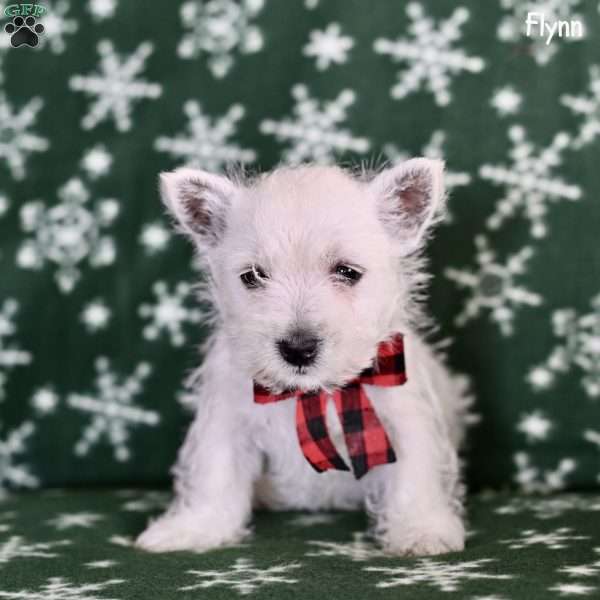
x: 410, y: 195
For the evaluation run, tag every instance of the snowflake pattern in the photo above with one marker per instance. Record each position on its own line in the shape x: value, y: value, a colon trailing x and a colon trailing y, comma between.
x: 218, y: 28
x: 493, y: 286
x: 506, y: 100
x: 45, y: 401
x: 68, y: 233
x: 552, y: 507
x: 154, y: 237
x: 579, y: 347
x: 11, y: 355
x: 512, y: 28
x: 535, y: 425
x: 17, y: 547
x: 445, y: 576
x: 554, y: 540
x: 588, y: 107
x: 592, y: 436
x: 114, y: 86
x: 169, y: 314
x: 102, y: 9
x: 328, y: 46
x: 533, y: 480
x: 244, y: 577
x: 59, y: 588
x: 97, y: 161
x: 430, y: 54
x: 529, y: 181
x: 70, y: 520
x: 14, y: 475
x: 360, y: 549
x: 95, y: 315
x: 112, y: 410
x: 314, y: 133
x: 205, y: 144
x: 57, y: 25
x: 17, y: 140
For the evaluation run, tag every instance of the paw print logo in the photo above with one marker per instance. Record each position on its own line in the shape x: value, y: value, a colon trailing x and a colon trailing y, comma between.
x: 24, y: 32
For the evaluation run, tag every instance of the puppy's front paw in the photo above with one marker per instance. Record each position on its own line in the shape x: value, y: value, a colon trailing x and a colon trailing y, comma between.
x: 176, y: 532
x: 436, y: 535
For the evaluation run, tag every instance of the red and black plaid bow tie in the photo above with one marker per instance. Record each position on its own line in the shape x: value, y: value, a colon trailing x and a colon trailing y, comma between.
x: 366, y: 440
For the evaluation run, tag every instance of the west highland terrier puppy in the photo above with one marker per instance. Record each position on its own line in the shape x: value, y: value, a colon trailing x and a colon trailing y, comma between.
x: 317, y: 390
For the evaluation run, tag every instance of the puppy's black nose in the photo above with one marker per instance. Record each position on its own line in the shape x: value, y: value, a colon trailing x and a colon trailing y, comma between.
x: 299, y: 348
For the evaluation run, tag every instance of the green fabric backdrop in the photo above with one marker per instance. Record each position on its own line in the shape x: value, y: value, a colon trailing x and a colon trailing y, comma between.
x: 97, y: 323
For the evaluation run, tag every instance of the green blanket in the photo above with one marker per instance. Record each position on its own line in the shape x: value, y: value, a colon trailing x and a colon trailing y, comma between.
x: 98, y: 324
x: 77, y: 545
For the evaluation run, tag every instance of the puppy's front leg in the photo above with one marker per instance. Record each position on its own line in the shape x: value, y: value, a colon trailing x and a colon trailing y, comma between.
x: 213, y: 484
x: 416, y: 501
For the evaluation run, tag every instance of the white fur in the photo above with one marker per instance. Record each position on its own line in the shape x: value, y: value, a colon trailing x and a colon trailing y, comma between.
x: 296, y: 224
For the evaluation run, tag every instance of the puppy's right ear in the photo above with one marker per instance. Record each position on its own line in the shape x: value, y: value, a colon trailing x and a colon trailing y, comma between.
x: 199, y: 201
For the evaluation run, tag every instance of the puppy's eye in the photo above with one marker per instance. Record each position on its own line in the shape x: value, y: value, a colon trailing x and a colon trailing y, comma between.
x: 347, y: 274
x: 253, y: 278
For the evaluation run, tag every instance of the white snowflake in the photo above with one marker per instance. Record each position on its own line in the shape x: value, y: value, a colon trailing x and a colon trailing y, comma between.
x: 572, y: 589
x: 445, y: 576
x: 17, y: 547
x: 529, y: 181
x: 121, y: 540
x: 112, y: 410
x: 506, y: 100
x: 588, y: 107
x: 205, y: 142
x: 311, y: 519
x: 243, y: 577
x: 433, y: 149
x: 154, y: 237
x: 218, y: 28
x: 531, y: 479
x: 56, y: 26
x: 594, y: 438
x: 11, y: 355
x: 114, y: 85
x: 311, y: 4
x: 313, y: 132
x: 358, y: 550
x: 493, y: 286
x: 101, y: 564
x: 59, y: 588
x: 102, y: 9
x: 535, y: 425
x: 12, y: 474
x: 430, y: 54
x: 16, y: 139
x: 68, y: 233
x: 553, y: 540
x: 551, y: 507
x: 97, y: 161
x: 512, y: 28
x: 585, y: 570
x: 45, y: 400
x: 169, y: 314
x: 149, y: 501
x: 4, y: 204
x: 68, y: 520
x: 580, y: 348
x: 328, y: 46
x: 95, y: 315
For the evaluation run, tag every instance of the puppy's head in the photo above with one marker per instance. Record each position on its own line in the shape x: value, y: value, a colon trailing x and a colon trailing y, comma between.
x: 310, y: 267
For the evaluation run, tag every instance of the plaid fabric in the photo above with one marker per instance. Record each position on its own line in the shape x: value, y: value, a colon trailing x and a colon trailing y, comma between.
x: 366, y: 440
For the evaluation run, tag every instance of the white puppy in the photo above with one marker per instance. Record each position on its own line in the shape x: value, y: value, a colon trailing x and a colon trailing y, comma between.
x: 309, y: 269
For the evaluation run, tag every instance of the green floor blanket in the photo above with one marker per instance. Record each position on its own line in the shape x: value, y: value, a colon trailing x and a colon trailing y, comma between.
x: 59, y: 545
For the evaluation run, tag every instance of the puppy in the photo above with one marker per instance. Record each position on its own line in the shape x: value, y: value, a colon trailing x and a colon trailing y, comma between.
x: 315, y: 276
